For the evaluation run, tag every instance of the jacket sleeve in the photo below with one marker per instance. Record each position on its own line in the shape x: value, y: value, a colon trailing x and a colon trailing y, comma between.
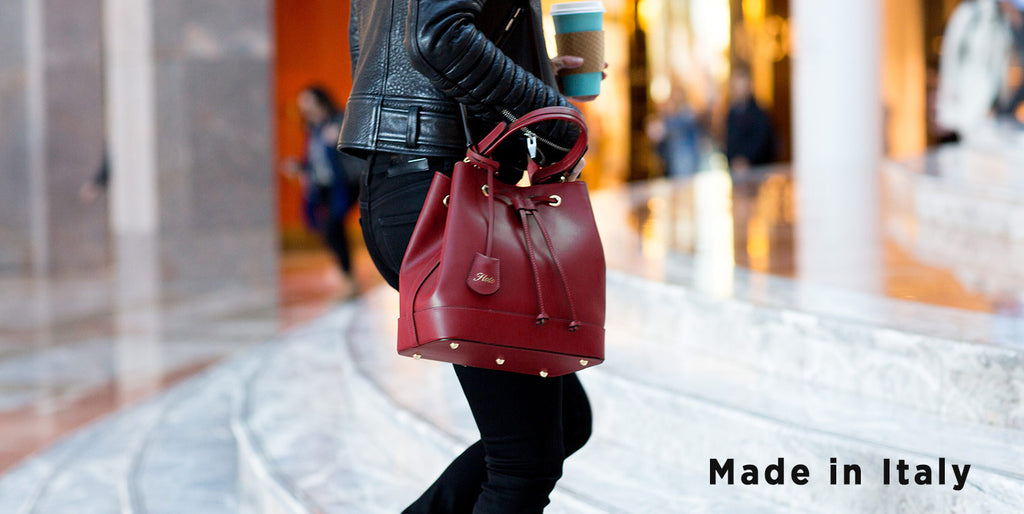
x: 445, y: 46
x: 353, y: 37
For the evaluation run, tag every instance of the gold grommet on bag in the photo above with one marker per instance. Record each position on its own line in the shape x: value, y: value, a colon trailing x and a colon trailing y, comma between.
x: 543, y: 374
x: 500, y: 361
x: 416, y: 356
x: 445, y: 200
x: 485, y: 190
x: 584, y: 362
x: 453, y: 345
x: 555, y: 200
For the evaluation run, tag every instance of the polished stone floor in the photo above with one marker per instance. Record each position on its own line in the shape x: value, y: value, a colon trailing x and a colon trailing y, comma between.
x: 732, y: 332
x: 74, y: 349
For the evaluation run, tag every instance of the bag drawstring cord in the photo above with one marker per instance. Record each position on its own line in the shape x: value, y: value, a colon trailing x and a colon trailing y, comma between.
x: 543, y: 316
x: 575, y: 323
x: 531, y: 252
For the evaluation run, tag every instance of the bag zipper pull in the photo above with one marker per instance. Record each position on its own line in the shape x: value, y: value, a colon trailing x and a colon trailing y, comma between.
x: 531, y: 145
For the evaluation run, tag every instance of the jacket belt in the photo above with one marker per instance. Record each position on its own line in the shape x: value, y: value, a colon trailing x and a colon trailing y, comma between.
x: 411, y: 129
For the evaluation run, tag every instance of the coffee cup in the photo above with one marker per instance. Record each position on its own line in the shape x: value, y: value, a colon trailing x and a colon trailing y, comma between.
x: 579, y: 31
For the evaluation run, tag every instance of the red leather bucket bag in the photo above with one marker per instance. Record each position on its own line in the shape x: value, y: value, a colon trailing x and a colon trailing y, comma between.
x: 506, y: 277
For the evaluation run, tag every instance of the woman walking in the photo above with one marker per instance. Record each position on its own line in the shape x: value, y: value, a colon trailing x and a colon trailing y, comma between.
x: 328, y: 193
x: 414, y: 62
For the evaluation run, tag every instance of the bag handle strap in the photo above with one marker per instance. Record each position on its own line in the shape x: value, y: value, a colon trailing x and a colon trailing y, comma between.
x: 465, y: 125
x: 480, y: 154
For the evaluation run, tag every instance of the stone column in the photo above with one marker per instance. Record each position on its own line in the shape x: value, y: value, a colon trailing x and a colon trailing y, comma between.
x: 214, y: 156
x: 131, y: 139
x: 131, y: 125
x: 192, y: 194
x: 51, y: 136
x: 189, y: 107
x: 837, y: 126
x: 17, y: 22
x: 77, y: 231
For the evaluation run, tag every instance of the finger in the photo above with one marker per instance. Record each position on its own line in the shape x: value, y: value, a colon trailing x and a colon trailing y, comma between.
x: 578, y: 170
x: 566, y: 61
x: 572, y: 61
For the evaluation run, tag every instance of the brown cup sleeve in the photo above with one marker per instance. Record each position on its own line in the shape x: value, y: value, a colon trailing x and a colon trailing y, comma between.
x: 588, y: 45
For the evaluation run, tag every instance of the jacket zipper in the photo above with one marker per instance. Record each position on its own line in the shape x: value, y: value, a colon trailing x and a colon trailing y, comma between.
x: 508, y: 27
x: 505, y: 112
x: 529, y: 133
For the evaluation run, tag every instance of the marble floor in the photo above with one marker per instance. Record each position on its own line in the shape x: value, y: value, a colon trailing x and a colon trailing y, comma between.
x: 72, y: 351
x: 732, y: 333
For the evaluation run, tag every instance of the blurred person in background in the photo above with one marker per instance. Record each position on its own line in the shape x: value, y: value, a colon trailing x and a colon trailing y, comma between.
x: 328, y: 190
x: 97, y: 185
x: 677, y: 136
x: 750, y: 138
x: 974, y: 62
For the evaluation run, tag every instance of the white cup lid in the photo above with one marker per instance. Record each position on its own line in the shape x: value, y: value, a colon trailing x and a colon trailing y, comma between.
x: 589, y: 6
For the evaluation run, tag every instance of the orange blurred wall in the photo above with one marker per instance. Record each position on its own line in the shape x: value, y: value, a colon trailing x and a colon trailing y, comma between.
x: 312, y: 47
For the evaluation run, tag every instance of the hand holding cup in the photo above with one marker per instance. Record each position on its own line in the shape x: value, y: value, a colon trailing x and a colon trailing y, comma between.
x: 568, y: 62
x: 579, y: 37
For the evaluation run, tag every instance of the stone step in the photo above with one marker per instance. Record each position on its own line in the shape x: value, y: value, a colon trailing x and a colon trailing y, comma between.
x: 973, y: 172
x: 847, y: 342
x: 975, y: 230
x: 82, y: 473
x: 170, y: 454
x: 377, y: 429
x: 674, y: 415
x: 677, y: 433
x: 188, y: 461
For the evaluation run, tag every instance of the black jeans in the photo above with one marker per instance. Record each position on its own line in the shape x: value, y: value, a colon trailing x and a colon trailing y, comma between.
x: 528, y: 424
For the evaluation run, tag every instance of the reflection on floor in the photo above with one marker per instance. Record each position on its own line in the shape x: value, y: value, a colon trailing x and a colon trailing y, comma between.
x: 723, y: 342
x: 930, y: 251
x: 70, y: 353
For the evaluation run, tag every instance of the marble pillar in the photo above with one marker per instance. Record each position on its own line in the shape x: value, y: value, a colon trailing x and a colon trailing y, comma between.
x: 51, y: 136
x: 192, y: 167
x: 77, y: 230
x: 838, y: 140
x: 192, y: 186
x: 202, y: 180
x: 15, y: 205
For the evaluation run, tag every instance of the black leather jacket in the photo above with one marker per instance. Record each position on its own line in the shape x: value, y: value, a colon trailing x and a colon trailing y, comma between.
x: 413, y: 61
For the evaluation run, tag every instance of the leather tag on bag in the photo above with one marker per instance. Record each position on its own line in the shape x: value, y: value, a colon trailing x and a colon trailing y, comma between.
x: 484, y: 275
